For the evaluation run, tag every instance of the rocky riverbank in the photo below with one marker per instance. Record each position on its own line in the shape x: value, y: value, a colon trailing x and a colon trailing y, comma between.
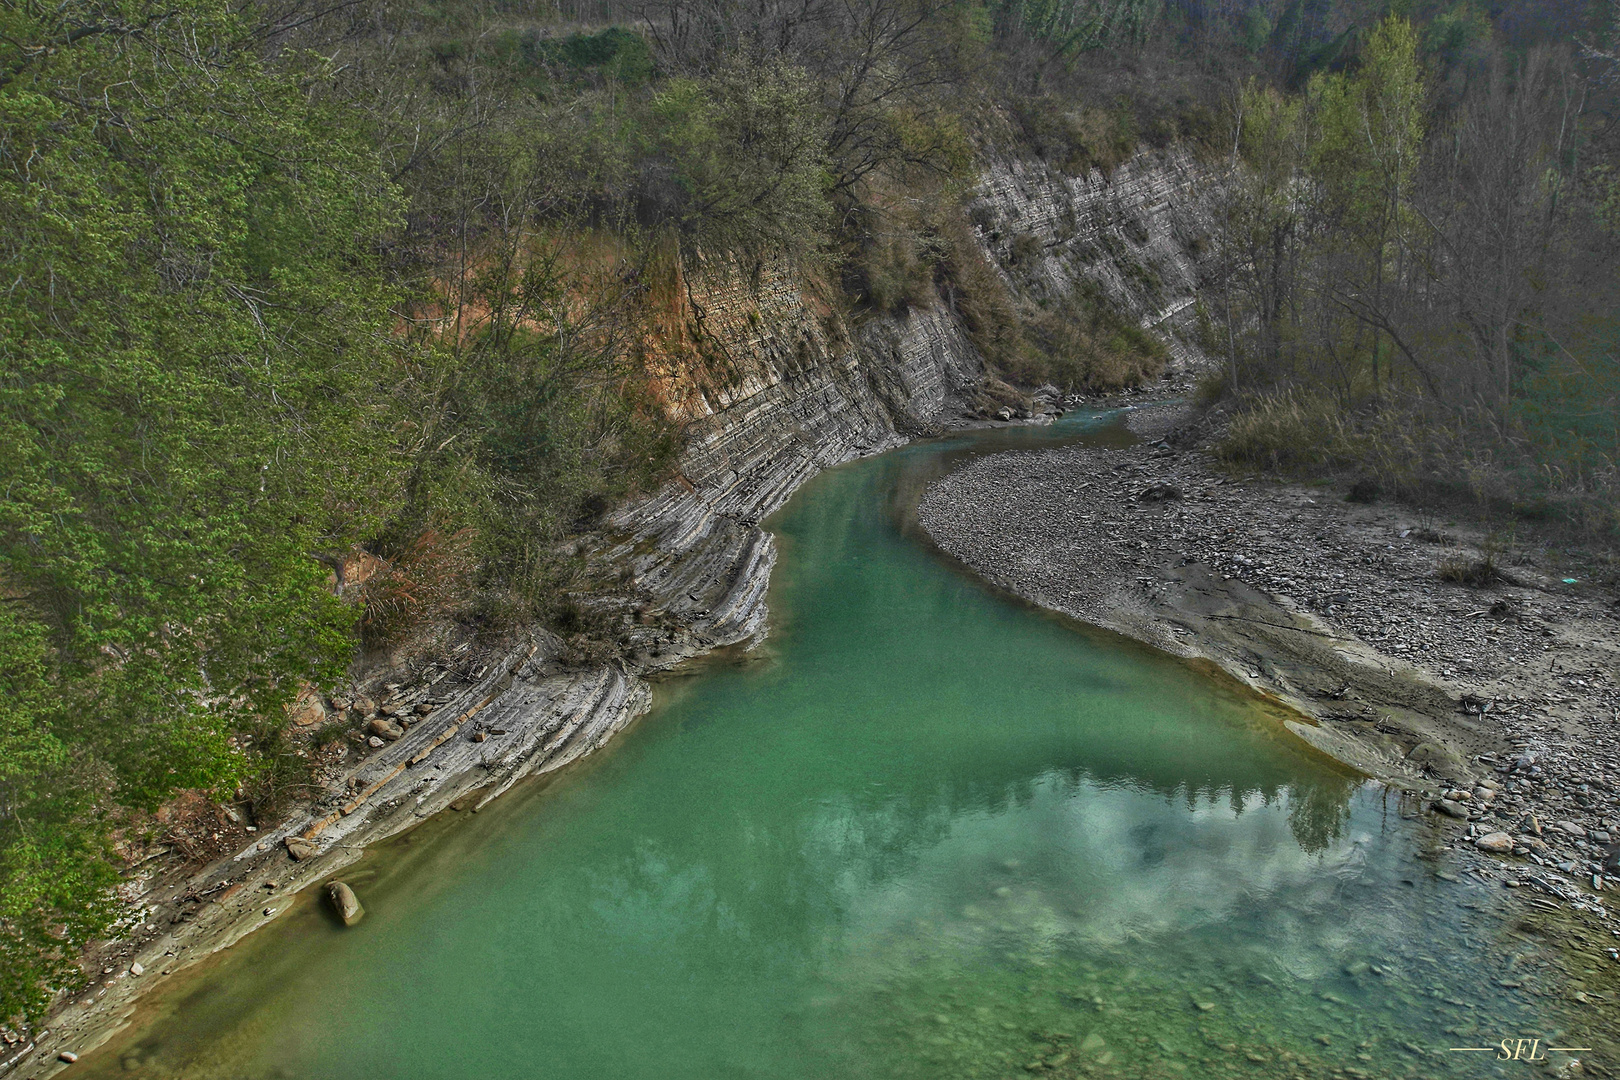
x: 1497, y: 704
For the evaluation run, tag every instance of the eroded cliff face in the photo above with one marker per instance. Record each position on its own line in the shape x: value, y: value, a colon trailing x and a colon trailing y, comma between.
x: 809, y: 390
x: 791, y: 387
x: 787, y: 386
x: 1140, y: 236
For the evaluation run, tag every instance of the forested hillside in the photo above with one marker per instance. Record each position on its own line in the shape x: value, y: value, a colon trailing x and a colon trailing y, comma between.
x: 1418, y: 282
x: 297, y: 290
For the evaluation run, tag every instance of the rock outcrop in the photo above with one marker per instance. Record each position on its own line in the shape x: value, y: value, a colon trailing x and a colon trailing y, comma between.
x: 1140, y: 236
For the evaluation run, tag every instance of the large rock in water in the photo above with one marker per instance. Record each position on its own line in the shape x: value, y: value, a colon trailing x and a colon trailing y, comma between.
x: 344, y: 902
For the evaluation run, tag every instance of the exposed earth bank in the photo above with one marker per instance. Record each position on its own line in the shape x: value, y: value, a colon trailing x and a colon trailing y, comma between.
x: 1498, y: 707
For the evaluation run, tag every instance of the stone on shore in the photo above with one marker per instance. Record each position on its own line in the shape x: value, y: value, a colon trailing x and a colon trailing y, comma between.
x: 385, y: 729
x: 1498, y: 842
x: 299, y: 848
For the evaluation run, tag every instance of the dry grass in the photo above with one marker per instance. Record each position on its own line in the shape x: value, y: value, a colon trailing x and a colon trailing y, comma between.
x: 431, y: 578
x: 1085, y: 345
x: 1405, y: 450
x: 1480, y: 573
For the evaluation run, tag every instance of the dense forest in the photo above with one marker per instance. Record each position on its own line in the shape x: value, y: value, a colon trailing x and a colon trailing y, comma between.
x: 289, y: 280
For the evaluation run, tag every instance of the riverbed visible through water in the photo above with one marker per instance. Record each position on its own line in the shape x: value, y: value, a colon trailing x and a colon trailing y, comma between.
x: 924, y: 831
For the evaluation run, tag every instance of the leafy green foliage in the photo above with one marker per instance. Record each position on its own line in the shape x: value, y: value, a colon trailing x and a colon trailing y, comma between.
x: 55, y: 878
x: 1077, y: 26
x: 741, y: 159
x: 192, y: 328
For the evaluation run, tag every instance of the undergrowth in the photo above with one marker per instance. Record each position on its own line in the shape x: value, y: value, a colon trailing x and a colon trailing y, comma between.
x: 1404, y: 449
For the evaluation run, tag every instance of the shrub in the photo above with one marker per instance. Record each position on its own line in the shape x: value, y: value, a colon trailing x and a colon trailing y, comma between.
x: 1476, y: 573
x: 1084, y: 344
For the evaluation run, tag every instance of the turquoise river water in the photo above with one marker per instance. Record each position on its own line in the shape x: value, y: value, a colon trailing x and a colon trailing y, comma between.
x: 926, y: 831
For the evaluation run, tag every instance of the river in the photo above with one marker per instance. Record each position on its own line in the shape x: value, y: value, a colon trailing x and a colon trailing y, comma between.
x: 925, y: 831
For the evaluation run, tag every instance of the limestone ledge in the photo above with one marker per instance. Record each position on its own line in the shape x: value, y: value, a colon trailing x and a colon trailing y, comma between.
x: 1140, y: 235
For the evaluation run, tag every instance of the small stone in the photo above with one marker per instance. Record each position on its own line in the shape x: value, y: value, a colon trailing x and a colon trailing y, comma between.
x: 68, y: 1056
x: 1450, y: 808
x: 423, y: 708
x: 344, y: 902
x: 1497, y: 842
x: 1569, y: 828
x: 365, y: 707
x: 299, y: 848
x: 136, y: 969
x: 1360, y: 967
x: 375, y: 743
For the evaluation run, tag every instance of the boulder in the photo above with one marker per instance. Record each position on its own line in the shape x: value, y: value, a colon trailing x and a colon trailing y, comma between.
x: 308, y: 707
x: 1499, y: 843
x: 384, y: 728
x: 299, y: 848
x: 344, y: 903
x: 1450, y: 808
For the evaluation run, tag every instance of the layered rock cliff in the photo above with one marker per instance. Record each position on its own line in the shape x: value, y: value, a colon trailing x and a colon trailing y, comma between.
x: 1140, y: 236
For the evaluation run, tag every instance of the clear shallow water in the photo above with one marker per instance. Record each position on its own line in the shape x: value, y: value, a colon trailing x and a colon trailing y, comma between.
x: 929, y: 833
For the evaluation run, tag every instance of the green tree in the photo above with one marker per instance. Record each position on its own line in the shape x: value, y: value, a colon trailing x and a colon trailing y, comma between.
x: 192, y: 339
x: 1265, y: 221
x: 743, y: 159
x: 1366, y: 155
